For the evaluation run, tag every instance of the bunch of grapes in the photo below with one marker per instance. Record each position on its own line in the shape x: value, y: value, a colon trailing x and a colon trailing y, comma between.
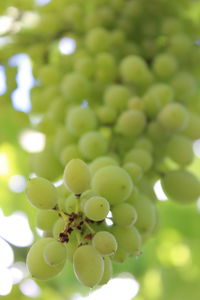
x: 120, y: 112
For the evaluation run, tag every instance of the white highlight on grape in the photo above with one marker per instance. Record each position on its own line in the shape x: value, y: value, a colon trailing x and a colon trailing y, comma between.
x: 15, y: 229
x: 2, y: 80
x: 117, y: 288
x: 32, y: 141
x: 67, y: 45
x: 159, y: 191
x: 17, y: 183
x: 6, y: 254
x: 196, y: 148
x: 4, y: 164
x: 30, y: 288
x: 5, y: 282
x: 58, y: 182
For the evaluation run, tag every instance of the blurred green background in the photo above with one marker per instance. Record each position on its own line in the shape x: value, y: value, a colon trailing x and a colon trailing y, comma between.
x: 169, y: 267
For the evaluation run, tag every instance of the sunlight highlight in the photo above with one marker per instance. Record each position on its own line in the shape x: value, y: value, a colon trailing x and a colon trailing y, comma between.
x: 5, y: 282
x: 117, y: 288
x: 32, y: 141
x: 159, y: 191
x: 30, y: 288
x: 17, y: 183
x: 16, y: 230
x: 67, y: 45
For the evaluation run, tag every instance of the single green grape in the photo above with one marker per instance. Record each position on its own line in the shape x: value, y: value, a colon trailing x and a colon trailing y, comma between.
x: 96, y: 208
x: 45, y: 219
x: 105, y: 243
x: 113, y: 183
x: 181, y: 186
x: 88, y: 265
x: 77, y: 176
x: 41, y: 193
x: 124, y: 214
x: 55, y: 253
x: 92, y: 144
x: 36, y: 263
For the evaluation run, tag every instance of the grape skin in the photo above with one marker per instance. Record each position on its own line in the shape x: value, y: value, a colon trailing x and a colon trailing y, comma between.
x: 113, y: 183
x: 41, y: 193
x: 41, y: 270
x: 88, y: 265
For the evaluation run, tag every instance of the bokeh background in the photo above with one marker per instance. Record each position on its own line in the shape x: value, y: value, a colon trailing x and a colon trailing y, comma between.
x: 169, y: 267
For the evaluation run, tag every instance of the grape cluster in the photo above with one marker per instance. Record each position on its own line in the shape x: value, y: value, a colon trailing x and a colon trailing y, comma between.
x: 119, y: 113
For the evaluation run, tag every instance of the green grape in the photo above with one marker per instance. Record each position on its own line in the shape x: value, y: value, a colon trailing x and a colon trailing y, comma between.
x: 116, y: 96
x: 68, y: 153
x: 41, y: 167
x: 80, y: 120
x: 62, y: 191
x: 156, y: 97
x: 92, y: 144
x: 48, y: 75
x: 180, y: 45
x: 71, y: 246
x: 41, y: 193
x: 58, y: 227
x: 106, y: 114
x: 106, y: 68
x: 36, y: 264
x: 85, y: 66
x: 134, y: 69
x: 146, y: 213
x: 135, y: 103
x: 128, y: 239
x: 101, y: 162
x: 105, y: 243
x: 108, y: 271
x: 76, y: 87
x: 181, y: 186
x: 180, y: 149
x: 96, y: 208
x: 192, y: 128
x: 124, y: 214
x: 45, y: 219
x: 85, y: 196
x: 77, y: 176
x: 171, y: 25
x: 134, y: 170
x: 139, y: 157
x: 120, y: 256
x: 156, y: 132
x: 88, y: 265
x: 113, y: 183
x: 54, y: 253
x: 165, y: 65
x: 56, y: 110
x: 184, y: 85
x: 173, y: 117
x: 144, y: 143
x: 62, y: 139
x: 131, y: 123
x: 97, y: 40
x: 71, y: 204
